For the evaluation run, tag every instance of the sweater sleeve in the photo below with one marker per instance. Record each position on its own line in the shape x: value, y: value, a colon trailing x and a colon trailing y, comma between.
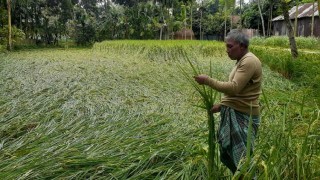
x: 243, y: 74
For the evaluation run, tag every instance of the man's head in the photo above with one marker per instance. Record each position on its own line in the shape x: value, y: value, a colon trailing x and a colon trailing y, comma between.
x: 237, y: 44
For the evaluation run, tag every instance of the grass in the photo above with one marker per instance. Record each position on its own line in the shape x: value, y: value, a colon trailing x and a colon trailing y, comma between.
x: 101, y: 114
x: 309, y: 43
x: 83, y: 112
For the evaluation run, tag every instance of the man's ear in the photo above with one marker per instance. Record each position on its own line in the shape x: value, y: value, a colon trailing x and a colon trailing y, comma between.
x: 242, y: 46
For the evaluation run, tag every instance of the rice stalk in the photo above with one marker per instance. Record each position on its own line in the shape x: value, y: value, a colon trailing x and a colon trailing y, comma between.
x: 208, y: 99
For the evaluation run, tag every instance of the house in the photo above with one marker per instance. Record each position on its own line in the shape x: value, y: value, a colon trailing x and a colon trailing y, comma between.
x: 235, y: 20
x: 304, y: 21
x: 184, y: 34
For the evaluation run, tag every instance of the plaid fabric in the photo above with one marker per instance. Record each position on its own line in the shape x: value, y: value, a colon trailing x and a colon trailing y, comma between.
x: 232, y: 136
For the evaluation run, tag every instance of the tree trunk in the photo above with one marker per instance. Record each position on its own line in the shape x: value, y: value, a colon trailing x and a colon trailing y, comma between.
x: 201, y: 38
x: 240, y: 14
x: 270, y: 20
x: 9, y: 45
x: 296, y: 19
x: 225, y: 20
x: 185, y: 30
x: 262, y: 21
x: 191, y: 18
x: 225, y: 26
x: 292, y: 41
x: 312, y: 19
x: 161, y: 32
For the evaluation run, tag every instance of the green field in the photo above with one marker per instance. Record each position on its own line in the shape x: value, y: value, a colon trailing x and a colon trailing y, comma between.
x: 121, y: 111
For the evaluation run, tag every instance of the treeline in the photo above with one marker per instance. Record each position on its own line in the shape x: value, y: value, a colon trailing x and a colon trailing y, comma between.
x: 88, y: 21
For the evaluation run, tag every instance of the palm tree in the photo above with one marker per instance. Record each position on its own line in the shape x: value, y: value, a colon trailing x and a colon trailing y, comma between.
x: 228, y: 9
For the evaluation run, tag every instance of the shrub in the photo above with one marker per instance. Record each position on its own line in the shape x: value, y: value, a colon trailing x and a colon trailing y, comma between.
x: 17, y: 35
x: 2, y: 48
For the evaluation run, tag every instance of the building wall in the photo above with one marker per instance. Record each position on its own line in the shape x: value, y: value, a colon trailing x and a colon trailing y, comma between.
x: 251, y: 32
x: 304, y: 27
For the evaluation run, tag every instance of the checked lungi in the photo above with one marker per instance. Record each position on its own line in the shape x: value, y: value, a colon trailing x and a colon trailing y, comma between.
x: 232, y: 136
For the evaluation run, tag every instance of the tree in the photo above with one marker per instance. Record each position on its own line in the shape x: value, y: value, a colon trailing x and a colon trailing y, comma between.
x: 84, y: 26
x: 312, y: 19
x: 251, y: 16
x: 296, y: 19
x: 9, y: 46
x: 228, y: 9
x: 292, y: 41
x: 271, y: 6
x: 261, y: 16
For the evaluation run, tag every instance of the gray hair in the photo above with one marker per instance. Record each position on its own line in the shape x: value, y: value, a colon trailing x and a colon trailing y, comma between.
x: 238, y: 36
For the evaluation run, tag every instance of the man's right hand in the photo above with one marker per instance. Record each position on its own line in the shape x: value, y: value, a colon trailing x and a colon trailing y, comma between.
x: 215, y: 108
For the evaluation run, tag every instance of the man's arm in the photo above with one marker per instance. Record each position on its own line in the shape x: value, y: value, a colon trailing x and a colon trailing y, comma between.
x: 242, y: 76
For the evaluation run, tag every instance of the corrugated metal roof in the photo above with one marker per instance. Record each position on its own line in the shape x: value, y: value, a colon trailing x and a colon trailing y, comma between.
x: 304, y: 10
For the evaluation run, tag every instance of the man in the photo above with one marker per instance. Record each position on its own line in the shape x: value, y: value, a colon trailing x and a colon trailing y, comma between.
x: 240, y: 101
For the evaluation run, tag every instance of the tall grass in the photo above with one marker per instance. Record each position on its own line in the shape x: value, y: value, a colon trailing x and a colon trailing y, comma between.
x: 311, y: 43
x: 303, y: 70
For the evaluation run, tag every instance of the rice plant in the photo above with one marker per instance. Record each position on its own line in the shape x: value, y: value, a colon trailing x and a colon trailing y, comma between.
x: 208, y: 99
x: 121, y: 113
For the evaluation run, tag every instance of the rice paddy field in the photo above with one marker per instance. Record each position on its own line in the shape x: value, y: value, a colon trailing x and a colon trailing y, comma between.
x: 123, y: 110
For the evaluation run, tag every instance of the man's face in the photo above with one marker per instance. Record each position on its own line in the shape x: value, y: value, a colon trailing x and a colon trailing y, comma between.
x: 234, y: 49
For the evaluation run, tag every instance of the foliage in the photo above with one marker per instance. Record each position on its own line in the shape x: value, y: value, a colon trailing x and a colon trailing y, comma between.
x: 42, y: 21
x: 3, y: 15
x: 83, y: 27
x: 17, y: 35
x: 48, y: 22
x: 214, y: 24
x: 250, y: 16
x: 2, y: 48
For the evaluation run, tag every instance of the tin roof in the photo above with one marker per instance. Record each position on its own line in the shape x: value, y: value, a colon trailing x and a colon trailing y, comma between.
x: 304, y: 10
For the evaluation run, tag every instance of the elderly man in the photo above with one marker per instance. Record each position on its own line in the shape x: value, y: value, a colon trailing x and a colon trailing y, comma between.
x: 240, y: 101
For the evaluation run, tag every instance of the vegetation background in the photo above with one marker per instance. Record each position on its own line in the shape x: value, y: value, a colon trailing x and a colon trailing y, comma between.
x: 77, y: 104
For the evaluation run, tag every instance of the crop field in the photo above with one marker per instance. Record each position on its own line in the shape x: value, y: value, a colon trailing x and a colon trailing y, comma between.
x: 123, y: 110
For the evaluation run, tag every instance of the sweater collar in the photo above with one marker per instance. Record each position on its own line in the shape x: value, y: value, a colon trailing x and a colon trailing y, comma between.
x: 243, y: 57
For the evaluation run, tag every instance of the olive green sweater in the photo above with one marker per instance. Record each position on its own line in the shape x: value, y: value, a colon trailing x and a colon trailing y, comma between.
x: 242, y: 90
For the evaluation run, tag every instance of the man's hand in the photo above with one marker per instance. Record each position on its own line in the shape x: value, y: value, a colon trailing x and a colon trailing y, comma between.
x: 201, y: 78
x: 215, y: 108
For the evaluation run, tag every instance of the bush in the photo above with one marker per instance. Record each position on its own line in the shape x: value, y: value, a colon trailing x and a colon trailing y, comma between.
x: 17, y: 35
x: 308, y: 43
x: 2, y: 48
x: 85, y: 35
